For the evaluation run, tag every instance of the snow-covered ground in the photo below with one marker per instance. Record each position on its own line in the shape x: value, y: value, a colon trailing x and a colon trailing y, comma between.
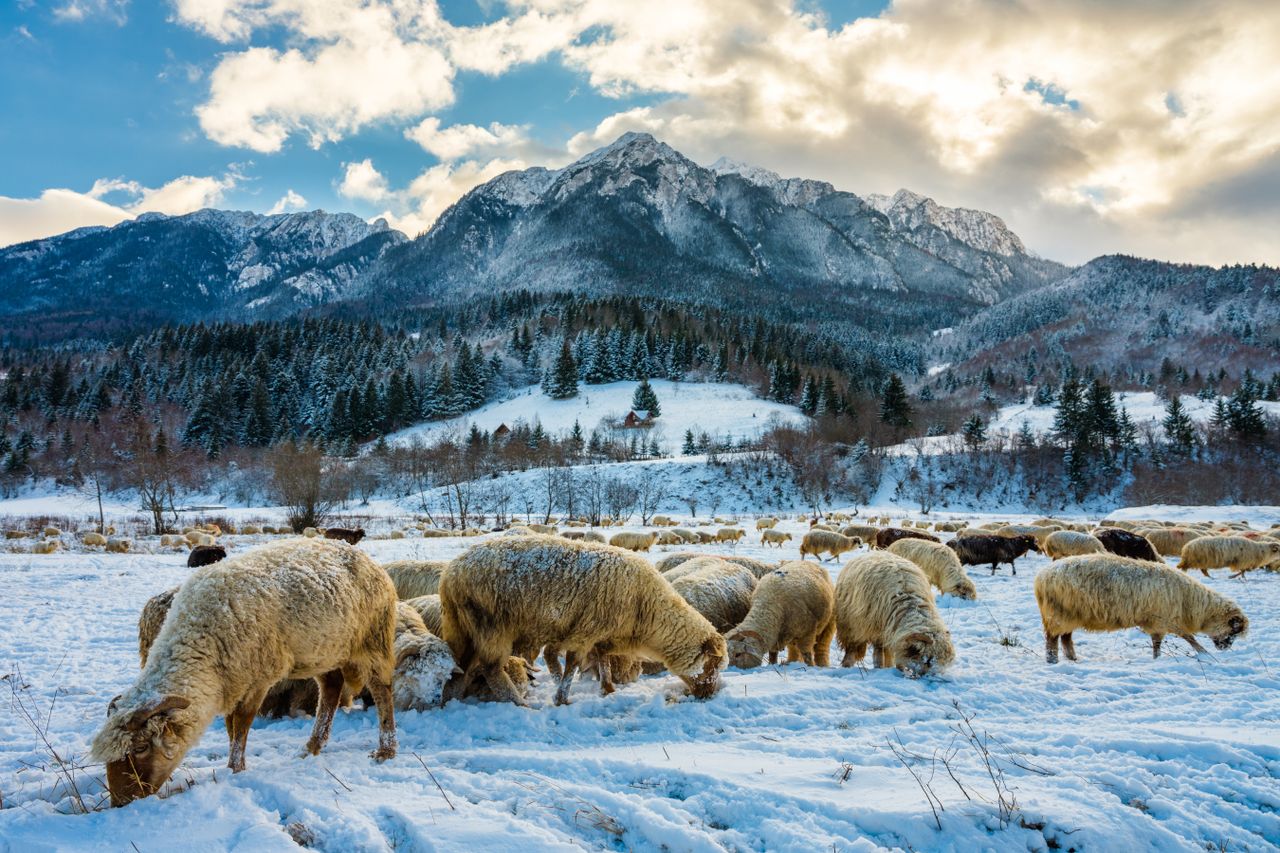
x: 1116, y: 752
x: 720, y: 409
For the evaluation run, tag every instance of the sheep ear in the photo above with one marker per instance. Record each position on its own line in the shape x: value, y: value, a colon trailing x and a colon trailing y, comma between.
x: 111, y: 706
x: 139, y: 718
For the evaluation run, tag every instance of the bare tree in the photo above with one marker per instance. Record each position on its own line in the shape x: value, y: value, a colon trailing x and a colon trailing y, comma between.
x: 304, y: 484
x: 652, y: 491
x: 156, y: 471
x: 620, y: 498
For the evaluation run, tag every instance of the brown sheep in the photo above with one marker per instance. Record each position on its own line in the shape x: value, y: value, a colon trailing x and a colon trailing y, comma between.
x: 205, y: 555
x: 582, y: 597
x: 992, y: 548
x: 888, y: 535
x: 793, y: 608
x: 884, y: 601
x: 346, y: 534
x: 1103, y: 592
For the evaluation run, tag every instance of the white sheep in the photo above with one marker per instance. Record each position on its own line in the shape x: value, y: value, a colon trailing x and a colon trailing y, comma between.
x: 940, y: 565
x: 1228, y: 552
x: 884, y: 601
x: 770, y: 536
x: 793, y: 607
x: 1069, y: 543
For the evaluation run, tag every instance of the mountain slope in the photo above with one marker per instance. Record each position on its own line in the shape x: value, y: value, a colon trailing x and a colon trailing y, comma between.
x: 638, y: 216
x: 207, y: 264
x: 1118, y: 311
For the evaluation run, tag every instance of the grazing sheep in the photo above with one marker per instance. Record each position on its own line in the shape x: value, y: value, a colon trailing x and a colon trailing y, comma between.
x: 816, y: 525
x: 151, y: 619
x: 729, y: 534
x: 435, y: 533
x: 94, y: 539
x: 865, y: 532
x: 939, y: 564
x: 48, y: 546
x: 705, y: 538
x: 698, y: 563
x: 1228, y: 552
x: 580, y: 597
x: 549, y: 529
x: 413, y: 578
x: 992, y: 548
x: 1103, y: 592
x: 289, y: 610
x: 1124, y: 543
x: 310, y: 532
x: 15, y: 534
x: 669, y: 537
x: 594, y: 536
x: 662, y: 521
x: 205, y: 555
x: 759, y: 568
x: 251, y: 530
x: 571, y: 535
x: 686, y: 536
x: 766, y: 523
x: 346, y: 534
x: 428, y: 609
x: 718, y: 589
x: 818, y: 542
x: 793, y: 608
x: 776, y: 537
x: 423, y: 663
x: 672, y: 561
x: 51, y: 531
x: 634, y: 541
x: 1068, y: 543
x: 888, y: 535
x: 884, y: 601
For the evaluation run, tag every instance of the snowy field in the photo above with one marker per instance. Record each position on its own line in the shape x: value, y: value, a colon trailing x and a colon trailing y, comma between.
x: 1116, y: 752
x: 720, y: 409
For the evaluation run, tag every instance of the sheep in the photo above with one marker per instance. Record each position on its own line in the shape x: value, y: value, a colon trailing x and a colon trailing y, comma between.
x: 816, y: 542
x: 15, y: 534
x: 662, y: 521
x: 582, y: 597
x: 204, y: 555
x: 310, y: 532
x: 671, y: 561
x: 413, y: 578
x: 549, y: 529
x: 759, y: 568
x: 1228, y: 552
x: 718, y: 589
x: 594, y: 536
x: 1123, y: 543
x: 1068, y: 543
x: 766, y: 523
x: 634, y: 541
x: 815, y: 525
x: 884, y: 601
x: 424, y: 664
x: 394, y: 534
x: 1169, y: 541
x: 687, y: 537
x: 993, y: 549
x: 695, y: 564
x: 1104, y: 592
x: 571, y: 535
x: 776, y: 537
x: 793, y: 608
x: 51, y: 531
x: 865, y: 532
x: 151, y: 619
x: 346, y: 534
x: 729, y: 534
x: 251, y: 530
x: 705, y: 538
x: 293, y: 609
x: 48, y: 546
x: 888, y: 535
x: 94, y: 539
x: 668, y: 537
x: 939, y: 564
x: 434, y: 533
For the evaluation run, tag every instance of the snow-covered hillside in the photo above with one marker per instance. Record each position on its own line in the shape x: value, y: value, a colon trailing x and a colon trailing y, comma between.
x: 1115, y: 752
x: 720, y: 409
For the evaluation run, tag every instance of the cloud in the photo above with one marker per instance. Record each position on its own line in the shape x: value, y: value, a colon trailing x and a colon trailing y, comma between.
x: 288, y: 202
x: 363, y: 182
x: 462, y: 140
x: 74, y: 11
x: 59, y: 210
x: 415, y: 208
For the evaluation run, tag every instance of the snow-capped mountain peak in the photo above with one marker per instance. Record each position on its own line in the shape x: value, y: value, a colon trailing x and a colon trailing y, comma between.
x: 984, y: 231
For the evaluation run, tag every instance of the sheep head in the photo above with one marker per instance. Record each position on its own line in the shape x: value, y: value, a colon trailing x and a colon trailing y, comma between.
x: 1230, y: 625
x: 965, y: 589
x: 704, y: 674
x: 142, y: 746
x: 746, y: 649
x: 920, y: 653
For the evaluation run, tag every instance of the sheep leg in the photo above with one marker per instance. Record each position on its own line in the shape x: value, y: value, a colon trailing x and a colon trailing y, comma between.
x: 238, y: 723
x: 773, y: 658
x: 822, y: 645
x: 1050, y: 646
x: 887, y: 660
x: 551, y: 656
x: 566, y: 680
x: 1156, y: 640
x: 1205, y: 572
x: 330, y: 692
x: 1014, y: 566
x: 1069, y: 646
x: 1194, y: 643
x: 877, y: 657
x: 605, y: 672
x: 854, y: 653
x: 501, y: 685
x: 994, y: 567
x: 381, y: 690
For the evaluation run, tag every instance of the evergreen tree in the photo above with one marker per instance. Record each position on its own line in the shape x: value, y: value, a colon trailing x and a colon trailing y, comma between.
x: 1179, y: 430
x: 809, y: 396
x: 645, y: 400
x: 974, y: 431
x: 1244, y: 415
x: 564, y: 376
x: 895, y: 410
x: 690, y: 447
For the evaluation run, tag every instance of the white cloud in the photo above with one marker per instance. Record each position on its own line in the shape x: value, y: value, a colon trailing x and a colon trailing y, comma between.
x: 75, y: 11
x: 288, y: 202
x: 363, y: 182
x: 58, y: 210
x: 463, y: 140
x: 415, y: 208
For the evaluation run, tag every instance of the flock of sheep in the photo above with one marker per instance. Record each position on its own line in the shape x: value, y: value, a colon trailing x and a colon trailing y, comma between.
x: 310, y: 623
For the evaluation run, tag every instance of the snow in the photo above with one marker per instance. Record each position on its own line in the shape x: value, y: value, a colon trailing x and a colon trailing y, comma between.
x: 1116, y: 751
x: 721, y: 409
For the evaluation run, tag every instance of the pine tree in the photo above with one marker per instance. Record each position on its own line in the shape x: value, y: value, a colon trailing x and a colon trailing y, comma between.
x: 895, y: 410
x: 564, y: 376
x: 645, y: 400
x: 1244, y: 415
x: 690, y: 446
x: 974, y: 431
x: 809, y: 396
x: 1179, y: 430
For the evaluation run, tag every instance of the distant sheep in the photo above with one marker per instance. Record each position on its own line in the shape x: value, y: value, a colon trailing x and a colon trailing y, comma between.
x: 310, y: 532
x: 94, y: 539
x: 289, y: 610
x: 549, y: 529
x: 435, y: 533
x: 939, y: 564
x: 793, y: 607
x: 15, y: 534
x: 884, y: 601
x: 585, y: 597
x: 205, y: 555
x: 992, y: 548
x: 719, y: 590
x: 686, y: 536
x: 1068, y: 543
x: 51, y: 531
x: 346, y: 534
x: 413, y: 578
x: 669, y: 537
x: 1228, y: 552
x: 1124, y: 543
x: 819, y: 542
x: 865, y: 532
x: 770, y: 536
x: 766, y: 523
x: 594, y: 536
x: 251, y: 530
x: 634, y: 541
x: 729, y: 534
x: 888, y: 535
x: 1103, y: 592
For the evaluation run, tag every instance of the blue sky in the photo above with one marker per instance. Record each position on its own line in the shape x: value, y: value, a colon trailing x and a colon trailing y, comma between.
x: 1088, y: 125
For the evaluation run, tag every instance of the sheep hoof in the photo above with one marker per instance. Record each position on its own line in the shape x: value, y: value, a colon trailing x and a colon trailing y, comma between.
x: 313, y: 748
x: 383, y: 754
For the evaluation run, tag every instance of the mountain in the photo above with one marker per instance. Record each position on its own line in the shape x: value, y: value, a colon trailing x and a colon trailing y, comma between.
x: 637, y: 216
x: 1129, y: 313
x: 205, y: 265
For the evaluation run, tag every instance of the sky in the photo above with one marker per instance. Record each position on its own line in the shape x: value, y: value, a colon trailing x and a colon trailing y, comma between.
x: 1150, y: 127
